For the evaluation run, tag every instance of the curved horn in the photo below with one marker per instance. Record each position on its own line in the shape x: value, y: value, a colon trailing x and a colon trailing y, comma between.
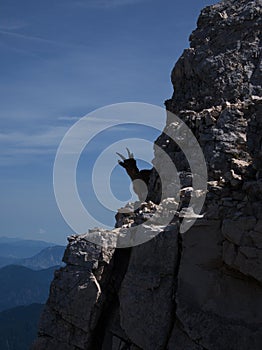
x: 120, y: 155
x: 130, y: 155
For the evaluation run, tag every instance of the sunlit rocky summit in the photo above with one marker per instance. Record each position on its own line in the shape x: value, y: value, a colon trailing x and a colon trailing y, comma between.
x: 201, y: 289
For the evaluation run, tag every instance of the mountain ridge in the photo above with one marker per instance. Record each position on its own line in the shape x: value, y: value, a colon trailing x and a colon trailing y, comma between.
x: 18, y: 326
x: 23, y: 286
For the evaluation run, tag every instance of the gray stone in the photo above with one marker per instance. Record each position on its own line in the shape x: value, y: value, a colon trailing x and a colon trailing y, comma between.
x: 76, y: 296
x: 180, y: 340
x: 233, y: 230
x: 146, y: 295
x: 201, y: 289
x: 213, y: 307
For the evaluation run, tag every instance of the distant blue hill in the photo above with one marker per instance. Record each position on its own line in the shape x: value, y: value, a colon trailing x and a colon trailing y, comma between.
x: 18, y: 327
x: 48, y: 257
x: 33, y: 254
x: 15, y: 248
x: 20, y: 285
x: 4, y: 239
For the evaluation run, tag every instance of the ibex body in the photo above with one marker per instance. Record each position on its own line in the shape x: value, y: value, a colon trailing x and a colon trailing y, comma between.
x: 139, y: 178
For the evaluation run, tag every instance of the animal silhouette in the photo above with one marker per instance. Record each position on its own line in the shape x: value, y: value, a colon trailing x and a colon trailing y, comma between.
x: 139, y: 178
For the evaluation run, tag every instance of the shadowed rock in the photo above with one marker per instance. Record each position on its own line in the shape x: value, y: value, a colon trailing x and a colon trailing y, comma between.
x: 200, y: 290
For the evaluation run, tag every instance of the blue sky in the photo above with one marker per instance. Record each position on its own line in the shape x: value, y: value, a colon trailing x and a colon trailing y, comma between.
x: 61, y: 60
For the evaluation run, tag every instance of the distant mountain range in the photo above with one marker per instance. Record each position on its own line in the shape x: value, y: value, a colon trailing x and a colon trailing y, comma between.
x: 51, y: 256
x: 26, y: 271
x: 36, y: 255
x: 21, y: 248
x: 18, y: 327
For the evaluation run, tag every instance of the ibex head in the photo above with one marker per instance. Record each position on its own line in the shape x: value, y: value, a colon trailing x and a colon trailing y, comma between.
x: 129, y: 164
x: 140, y: 178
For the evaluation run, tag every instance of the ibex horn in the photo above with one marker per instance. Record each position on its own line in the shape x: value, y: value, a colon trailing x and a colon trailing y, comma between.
x: 120, y: 155
x: 130, y: 155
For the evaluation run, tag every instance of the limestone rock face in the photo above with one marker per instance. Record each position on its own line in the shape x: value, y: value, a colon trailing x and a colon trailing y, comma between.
x: 76, y: 297
x: 146, y: 294
x: 201, y: 289
x: 223, y: 61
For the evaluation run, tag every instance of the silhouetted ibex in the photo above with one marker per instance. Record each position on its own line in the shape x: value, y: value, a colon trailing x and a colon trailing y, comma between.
x: 140, y: 187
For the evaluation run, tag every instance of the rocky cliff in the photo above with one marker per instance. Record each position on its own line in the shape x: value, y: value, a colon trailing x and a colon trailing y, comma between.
x: 201, y: 289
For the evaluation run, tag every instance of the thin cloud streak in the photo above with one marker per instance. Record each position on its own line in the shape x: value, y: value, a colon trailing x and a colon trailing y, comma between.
x: 107, y: 4
x: 47, y: 138
x: 41, y: 40
x: 17, y: 144
x: 68, y: 119
x: 9, y: 24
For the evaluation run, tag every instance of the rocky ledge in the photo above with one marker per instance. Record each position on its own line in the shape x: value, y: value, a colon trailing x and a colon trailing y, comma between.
x: 201, y: 289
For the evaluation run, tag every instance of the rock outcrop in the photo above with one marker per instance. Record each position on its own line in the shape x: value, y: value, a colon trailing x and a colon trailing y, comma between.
x: 201, y: 289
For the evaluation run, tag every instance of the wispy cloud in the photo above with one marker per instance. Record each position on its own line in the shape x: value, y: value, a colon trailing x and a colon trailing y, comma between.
x: 48, y: 138
x: 18, y: 147
x: 41, y: 231
x: 17, y: 144
x: 68, y: 118
x: 10, y: 24
x: 26, y: 36
x: 106, y: 4
x: 23, y: 31
x: 39, y: 40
